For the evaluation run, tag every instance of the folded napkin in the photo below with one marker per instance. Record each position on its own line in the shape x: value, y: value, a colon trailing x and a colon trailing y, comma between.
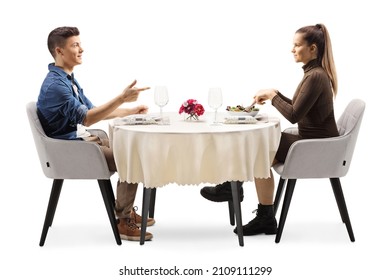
x: 137, y: 119
x: 240, y: 120
x: 82, y: 131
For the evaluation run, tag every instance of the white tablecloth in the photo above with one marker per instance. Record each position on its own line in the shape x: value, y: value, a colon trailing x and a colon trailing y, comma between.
x: 192, y: 153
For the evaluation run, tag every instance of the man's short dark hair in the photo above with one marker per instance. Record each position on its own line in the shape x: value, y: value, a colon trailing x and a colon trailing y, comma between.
x: 58, y: 37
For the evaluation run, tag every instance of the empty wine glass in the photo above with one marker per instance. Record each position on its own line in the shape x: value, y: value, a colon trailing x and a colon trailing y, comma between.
x: 161, y: 97
x: 215, y: 101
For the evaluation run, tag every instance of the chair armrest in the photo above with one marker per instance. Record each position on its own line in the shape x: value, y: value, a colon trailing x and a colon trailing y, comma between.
x: 292, y: 130
x: 74, y: 159
x: 98, y: 132
x: 317, y: 158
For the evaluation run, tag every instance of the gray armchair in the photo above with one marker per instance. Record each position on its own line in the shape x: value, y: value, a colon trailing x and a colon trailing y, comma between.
x: 71, y: 159
x: 321, y: 158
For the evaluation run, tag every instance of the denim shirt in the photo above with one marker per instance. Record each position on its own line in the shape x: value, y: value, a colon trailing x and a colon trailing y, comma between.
x: 60, y: 107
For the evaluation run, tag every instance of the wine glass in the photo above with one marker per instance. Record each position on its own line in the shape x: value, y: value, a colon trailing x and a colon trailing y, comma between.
x: 161, y: 97
x: 215, y: 101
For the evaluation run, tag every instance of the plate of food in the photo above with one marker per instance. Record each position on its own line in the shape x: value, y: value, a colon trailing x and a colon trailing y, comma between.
x: 242, y: 111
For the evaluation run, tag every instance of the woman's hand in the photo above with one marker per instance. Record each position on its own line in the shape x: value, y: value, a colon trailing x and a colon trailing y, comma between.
x: 264, y: 95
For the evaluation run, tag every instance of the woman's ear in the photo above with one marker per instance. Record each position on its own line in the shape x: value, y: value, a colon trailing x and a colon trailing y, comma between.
x: 313, y: 48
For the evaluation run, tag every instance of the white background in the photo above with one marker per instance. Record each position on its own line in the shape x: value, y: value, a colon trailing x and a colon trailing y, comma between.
x: 189, y: 46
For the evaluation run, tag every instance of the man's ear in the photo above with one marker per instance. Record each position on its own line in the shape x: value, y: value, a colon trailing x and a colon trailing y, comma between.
x: 58, y: 51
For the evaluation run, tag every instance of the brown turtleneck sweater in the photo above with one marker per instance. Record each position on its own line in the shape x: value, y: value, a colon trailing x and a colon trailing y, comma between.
x: 311, y: 107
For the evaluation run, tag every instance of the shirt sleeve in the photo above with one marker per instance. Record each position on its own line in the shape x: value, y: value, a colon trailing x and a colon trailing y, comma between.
x: 66, y: 104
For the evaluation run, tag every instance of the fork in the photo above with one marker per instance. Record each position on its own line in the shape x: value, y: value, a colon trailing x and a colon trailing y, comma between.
x: 247, y: 109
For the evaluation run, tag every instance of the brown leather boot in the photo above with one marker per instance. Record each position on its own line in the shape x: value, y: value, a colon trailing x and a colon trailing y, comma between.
x: 138, y: 218
x: 128, y: 230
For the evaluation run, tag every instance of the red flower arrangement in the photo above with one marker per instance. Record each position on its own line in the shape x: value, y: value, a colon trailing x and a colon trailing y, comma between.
x: 192, y: 108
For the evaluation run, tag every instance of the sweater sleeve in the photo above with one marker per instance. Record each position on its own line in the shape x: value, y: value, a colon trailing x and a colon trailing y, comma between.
x: 304, y: 98
x: 284, y: 98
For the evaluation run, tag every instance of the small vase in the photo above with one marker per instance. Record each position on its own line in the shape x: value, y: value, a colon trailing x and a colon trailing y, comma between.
x: 191, y: 117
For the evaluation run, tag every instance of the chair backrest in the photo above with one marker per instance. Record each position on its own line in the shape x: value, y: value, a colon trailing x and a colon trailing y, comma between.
x: 39, y: 136
x: 351, y: 117
x: 349, y: 125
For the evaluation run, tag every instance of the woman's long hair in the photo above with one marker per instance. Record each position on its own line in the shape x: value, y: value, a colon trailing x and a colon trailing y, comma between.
x: 318, y: 34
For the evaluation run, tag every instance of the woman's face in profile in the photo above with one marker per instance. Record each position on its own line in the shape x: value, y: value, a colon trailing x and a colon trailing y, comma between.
x: 301, y: 50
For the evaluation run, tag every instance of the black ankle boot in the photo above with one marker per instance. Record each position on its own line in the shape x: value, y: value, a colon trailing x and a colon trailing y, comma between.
x: 264, y: 222
x: 221, y: 192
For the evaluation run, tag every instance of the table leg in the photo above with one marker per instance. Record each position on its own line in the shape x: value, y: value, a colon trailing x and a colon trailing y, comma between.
x: 231, y: 212
x: 152, y: 202
x: 237, y: 211
x: 145, y: 212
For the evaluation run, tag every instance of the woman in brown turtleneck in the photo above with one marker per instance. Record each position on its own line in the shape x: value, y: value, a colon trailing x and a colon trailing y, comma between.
x: 311, y: 108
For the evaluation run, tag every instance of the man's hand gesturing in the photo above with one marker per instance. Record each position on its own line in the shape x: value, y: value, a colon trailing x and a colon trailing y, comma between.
x: 130, y: 93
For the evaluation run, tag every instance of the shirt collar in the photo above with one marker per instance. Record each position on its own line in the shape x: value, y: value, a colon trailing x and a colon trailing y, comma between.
x: 61, y: 72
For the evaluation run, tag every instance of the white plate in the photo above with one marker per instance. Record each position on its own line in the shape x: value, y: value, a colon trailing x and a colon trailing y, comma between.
x: 252, y: 114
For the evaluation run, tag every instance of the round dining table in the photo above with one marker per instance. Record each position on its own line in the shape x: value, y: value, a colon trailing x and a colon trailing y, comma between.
x: 174, y: 150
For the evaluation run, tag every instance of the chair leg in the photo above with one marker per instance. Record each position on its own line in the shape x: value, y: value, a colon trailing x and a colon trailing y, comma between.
x: 51, y: 208
x: 237, y: 211
x: 338, y: 193
x: 279, y: 192
x: 231, y: 212
x: 334, y: 183
x: 111, y: 196
x: 106, y: 189
x: 286, y: 205
x: 152, y: 202
x: 145, y: 209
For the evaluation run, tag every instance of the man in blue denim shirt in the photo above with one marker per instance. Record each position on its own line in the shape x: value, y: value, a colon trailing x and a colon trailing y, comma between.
x: 64, y: 110
x: 62, y: 104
